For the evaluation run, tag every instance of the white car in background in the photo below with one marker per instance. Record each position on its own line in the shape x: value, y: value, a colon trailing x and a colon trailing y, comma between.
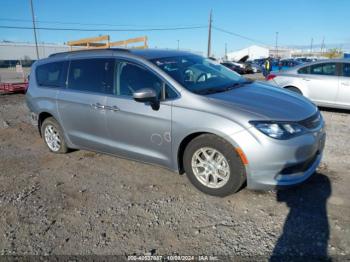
x: 325, y: 82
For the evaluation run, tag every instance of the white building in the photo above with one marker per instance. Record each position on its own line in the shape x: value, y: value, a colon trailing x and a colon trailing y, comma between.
x: 254, y: 52
x: 26, y: 51
x: 282, y: 52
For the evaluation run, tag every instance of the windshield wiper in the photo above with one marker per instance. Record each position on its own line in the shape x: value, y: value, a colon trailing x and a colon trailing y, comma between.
x: 208, y: 91
x: 219, y: 90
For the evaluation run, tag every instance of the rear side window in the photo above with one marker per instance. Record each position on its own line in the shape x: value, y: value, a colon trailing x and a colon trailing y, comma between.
x: 304, y: 70
x: 323, y: 69
x: 92, y: 75
x: 52, y: 74
x: 346, y: 69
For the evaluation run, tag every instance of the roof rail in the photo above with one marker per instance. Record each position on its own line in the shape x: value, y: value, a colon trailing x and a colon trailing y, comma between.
x: 89, y: 50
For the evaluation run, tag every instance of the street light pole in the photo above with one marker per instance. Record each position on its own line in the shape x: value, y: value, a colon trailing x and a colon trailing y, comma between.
x: 209, y: 34
x: 34, y: 29
x: 276, y: 44
x: 322, y: 45
x: 311, y: 45
x: 178, y: 44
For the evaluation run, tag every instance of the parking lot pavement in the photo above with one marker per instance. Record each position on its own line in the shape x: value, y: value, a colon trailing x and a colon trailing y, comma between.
x: 256, y: 76
x: 89, y: 203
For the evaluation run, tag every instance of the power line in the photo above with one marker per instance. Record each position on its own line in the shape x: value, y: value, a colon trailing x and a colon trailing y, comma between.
x: 239, y: 35
x: 103, y: 29
x: 91, y: 24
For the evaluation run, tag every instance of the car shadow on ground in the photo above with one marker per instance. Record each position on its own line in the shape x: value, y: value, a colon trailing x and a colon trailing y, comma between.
x: 306, y: 229
x: 335, y: 110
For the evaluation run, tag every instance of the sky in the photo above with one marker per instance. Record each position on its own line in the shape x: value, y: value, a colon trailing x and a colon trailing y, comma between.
x: 296, y: 21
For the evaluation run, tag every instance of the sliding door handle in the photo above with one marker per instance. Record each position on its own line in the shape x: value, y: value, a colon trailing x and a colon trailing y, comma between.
x: 115, y: 108
x: 98, y: 106
x: 112, y: 108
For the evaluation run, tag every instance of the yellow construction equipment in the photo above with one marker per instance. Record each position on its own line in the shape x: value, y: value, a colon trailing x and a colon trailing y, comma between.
x: 104, y: 42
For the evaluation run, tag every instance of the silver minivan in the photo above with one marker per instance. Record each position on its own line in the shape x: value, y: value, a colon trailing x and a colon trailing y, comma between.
x: 178, y: 110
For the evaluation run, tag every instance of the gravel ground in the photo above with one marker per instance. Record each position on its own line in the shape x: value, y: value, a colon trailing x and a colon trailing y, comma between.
x: 89, y: 203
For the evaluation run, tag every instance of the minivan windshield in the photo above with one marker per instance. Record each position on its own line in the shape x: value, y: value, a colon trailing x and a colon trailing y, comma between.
x: 198, y: 74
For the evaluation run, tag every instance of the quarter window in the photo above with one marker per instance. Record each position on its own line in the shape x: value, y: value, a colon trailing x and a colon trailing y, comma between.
x: 346, y: 69
x: 92, y: 75
x: 52, y: 74
x: 323, y: 69
x: 170, y: 93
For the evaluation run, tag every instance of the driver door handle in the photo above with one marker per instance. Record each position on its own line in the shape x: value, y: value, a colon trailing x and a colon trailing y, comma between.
x: 345, y: 83
x: 306, y: 79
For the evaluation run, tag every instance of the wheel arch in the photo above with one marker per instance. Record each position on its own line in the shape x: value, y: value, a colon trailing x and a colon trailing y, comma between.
x: 187, y: 139
x: 181, y: 149
x: 299, y: 85
x: 44, y: 115
x: 41, y: 118
x: 294, y: 87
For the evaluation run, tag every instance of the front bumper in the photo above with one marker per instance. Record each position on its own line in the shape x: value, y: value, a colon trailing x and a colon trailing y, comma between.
x: 278, y: 163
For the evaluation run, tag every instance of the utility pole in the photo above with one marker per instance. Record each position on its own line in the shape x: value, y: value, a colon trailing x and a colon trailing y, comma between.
x: 178, y: 44
x: 225, y: 51
x: 312, y: 42
x: 209, y: 34
x: 34, y: 29
x: 276, y: 44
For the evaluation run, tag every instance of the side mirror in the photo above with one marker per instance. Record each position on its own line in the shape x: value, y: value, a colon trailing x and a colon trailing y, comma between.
x: 145, y: 95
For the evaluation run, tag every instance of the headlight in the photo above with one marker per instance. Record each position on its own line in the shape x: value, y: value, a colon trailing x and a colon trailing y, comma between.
x: 279, y: 130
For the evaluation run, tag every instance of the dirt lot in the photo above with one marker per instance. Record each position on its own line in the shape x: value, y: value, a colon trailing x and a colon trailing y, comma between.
x: 89, y: 203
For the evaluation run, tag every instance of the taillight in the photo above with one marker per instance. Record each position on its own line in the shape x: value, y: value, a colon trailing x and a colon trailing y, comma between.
x: 270, y: 77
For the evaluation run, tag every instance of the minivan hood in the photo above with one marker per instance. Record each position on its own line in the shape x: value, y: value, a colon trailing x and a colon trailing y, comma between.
x: 268, y: 102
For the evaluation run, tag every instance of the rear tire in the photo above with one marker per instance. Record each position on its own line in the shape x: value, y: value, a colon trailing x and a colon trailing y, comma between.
x: 53, y: 136
x: 213, y: 165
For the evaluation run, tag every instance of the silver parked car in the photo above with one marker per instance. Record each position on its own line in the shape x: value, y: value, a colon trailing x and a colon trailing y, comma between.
x: 180, y: 111
x: 325, y: 82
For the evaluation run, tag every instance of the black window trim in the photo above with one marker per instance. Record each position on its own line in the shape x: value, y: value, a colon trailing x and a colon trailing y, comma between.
x: 117, y: 59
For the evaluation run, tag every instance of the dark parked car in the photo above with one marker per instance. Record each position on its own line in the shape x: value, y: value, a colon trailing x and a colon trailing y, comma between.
x: 255, y: 67
x: 234, y: 67
x: 248, y: 69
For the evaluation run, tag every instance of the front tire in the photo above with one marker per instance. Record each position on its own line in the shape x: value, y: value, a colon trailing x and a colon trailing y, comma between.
x: 53, y: 136
x: 213, y: 166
